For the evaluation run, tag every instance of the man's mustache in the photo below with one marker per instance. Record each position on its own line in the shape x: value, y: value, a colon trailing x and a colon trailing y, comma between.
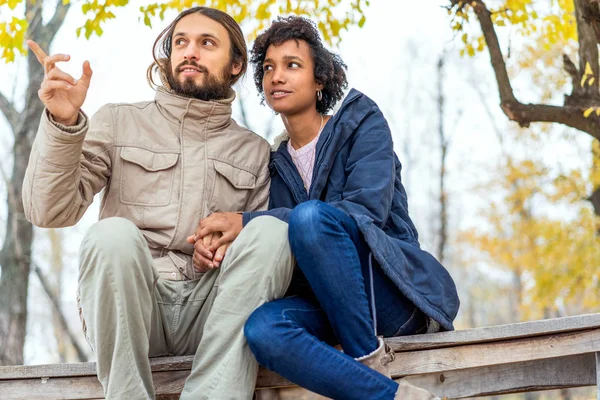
x: 200, y: 68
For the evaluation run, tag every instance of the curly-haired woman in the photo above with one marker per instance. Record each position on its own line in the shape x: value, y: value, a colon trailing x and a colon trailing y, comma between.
x: 361, y: 272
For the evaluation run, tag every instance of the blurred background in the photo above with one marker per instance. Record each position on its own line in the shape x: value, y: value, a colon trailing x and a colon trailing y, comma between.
x: 493, y: 107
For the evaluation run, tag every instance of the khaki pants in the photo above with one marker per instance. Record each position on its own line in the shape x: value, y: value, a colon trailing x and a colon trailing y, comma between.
x: 131, y: 314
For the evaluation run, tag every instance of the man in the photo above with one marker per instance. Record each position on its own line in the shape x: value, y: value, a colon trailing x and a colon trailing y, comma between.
x: 145, y: 288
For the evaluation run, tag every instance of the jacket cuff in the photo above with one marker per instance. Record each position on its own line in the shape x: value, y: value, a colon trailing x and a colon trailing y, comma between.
x: 77, y: 128
x: 246, y: 217
x: 59, y: 144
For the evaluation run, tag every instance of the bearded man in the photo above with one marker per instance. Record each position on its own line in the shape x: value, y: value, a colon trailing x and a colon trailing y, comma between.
x: 147, y: 285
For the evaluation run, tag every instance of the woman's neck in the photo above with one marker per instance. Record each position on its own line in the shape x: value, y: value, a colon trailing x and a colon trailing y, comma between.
x: 303, y: 128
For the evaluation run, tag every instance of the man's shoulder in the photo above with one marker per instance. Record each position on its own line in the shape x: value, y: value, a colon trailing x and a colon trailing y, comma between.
x: 129, y: 107
x: 249, y: 136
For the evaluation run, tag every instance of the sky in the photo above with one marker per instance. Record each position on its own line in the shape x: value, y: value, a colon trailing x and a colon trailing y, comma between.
x: 392, y: 59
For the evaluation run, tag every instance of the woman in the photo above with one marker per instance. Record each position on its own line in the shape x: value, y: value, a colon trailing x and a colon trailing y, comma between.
x: 361, y: 273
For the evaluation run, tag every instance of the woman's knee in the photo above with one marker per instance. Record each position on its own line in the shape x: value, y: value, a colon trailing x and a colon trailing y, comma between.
x: 262, y: 331
x: 306, y: 223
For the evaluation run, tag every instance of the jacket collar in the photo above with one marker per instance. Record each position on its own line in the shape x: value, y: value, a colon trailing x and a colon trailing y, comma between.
x: 179, y: 108
x: 336, y: 132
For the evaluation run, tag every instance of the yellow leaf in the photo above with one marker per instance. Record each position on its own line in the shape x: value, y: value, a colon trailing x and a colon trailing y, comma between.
x: 588, y: 69
x: 588, y: 112
x: 591, y: 81
x: 598, y: 111
x: 583, y: 79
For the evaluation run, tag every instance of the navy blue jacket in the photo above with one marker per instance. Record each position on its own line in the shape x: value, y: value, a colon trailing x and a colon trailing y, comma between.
x: 357, y: 171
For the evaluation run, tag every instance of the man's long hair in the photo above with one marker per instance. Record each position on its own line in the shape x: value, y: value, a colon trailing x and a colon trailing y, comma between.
x: 163, y: 45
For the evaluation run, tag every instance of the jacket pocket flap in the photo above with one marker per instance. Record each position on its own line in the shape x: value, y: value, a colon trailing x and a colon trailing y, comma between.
x: 239, y: 178
x: 149, y: 160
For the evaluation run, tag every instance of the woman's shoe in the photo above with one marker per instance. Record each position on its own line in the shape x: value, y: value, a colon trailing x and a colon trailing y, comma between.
x: 380, y: 359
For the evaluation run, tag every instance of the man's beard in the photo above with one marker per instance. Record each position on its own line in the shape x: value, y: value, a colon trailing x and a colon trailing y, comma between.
x: 213, y: 87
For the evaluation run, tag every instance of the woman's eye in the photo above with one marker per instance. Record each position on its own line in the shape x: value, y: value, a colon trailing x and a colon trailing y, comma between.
x: 294, y: 65
x: 267, y: 68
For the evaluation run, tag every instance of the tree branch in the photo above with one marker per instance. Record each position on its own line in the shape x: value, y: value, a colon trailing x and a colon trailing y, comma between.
x: 497, y: 59
x: 573, y: 117
x: 57, y: 20
x: 61, y: 316
x: 516, y: 111
x: 10, y: 112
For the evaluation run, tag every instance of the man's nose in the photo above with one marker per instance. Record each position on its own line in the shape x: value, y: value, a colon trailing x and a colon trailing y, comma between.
x: 192, y: 52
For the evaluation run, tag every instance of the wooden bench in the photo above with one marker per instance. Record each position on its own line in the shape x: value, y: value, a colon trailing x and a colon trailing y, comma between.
x: 539, y: 355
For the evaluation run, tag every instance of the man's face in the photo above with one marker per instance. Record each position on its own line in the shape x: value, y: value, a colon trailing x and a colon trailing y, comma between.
x: 200, y: 65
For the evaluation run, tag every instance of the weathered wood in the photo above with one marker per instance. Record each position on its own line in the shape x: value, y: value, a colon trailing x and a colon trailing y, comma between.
x: 553, y: 373
x: 485, y: 354
x: 597, y: 359
x: 180, y: 363
x: 526, y: 358
x: 495, y: 333
x: 166, y: 383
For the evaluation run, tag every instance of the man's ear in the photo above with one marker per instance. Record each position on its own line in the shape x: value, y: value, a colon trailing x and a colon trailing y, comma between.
x: 236, y: 68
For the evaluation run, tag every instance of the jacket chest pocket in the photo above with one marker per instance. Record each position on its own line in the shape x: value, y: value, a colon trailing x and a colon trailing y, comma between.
x: 147, y: 177
x: 231, y: 189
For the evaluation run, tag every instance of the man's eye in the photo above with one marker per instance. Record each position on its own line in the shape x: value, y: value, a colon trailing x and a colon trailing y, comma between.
x: 208, y: 42
x: 179, y: 41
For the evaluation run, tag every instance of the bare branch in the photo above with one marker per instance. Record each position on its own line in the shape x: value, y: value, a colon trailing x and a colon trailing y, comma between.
x: 571, y: 69
x: 57, y: 20
x: 10, y: 112
x: 524, y: 114
x: 58, y: 309
x: 497, y: 59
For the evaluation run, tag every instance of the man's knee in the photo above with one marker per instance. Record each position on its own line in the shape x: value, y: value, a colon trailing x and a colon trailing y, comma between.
x: 112, y: 243
x: 111, y: 235
x: 267, y: 238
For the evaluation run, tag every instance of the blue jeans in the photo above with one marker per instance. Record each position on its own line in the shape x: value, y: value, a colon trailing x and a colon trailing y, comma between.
x: 294, y: 336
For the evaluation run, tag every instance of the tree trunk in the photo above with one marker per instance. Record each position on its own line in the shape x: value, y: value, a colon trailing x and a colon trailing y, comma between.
x: 15, y: 256
x: 443, y: 228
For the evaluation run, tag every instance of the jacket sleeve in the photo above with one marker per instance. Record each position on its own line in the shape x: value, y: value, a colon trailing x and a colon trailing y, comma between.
x: 67, y: 167
x: 281, y: 213
x: 370, y: 171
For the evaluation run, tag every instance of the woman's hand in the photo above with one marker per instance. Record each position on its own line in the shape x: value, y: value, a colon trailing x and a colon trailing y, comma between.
x: 203, y: 258
x: 227, y: 223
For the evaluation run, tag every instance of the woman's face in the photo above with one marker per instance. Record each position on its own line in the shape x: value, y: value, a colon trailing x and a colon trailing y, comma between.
x: 289, y: 80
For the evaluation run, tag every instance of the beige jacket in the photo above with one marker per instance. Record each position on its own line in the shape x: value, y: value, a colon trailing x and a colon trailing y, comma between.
x: 163, y: 164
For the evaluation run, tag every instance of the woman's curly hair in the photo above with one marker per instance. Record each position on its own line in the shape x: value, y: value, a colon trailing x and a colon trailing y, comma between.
x: 330, y: 70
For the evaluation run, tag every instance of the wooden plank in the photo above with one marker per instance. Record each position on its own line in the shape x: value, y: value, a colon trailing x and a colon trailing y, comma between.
x: 495, y: 333
x: 180, y: 363
x: 553, y: 373
x: 486, y: 354
x: 168, y: 384
x: 597, y: 369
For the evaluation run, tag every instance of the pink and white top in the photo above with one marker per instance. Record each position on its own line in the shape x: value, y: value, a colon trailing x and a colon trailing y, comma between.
x: 304, y: 159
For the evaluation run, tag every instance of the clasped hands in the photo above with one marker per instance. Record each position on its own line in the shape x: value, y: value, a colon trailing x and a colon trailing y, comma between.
x: 212, y: 239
